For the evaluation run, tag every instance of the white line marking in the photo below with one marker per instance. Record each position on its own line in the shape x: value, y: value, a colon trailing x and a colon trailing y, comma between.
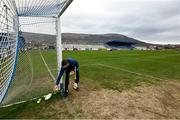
x: 9, y: 105
x: 32, y: 72
x: 13, y: 104
x: 125, y: 70
x: 32, y: 68
x: 67, y: 102
x: 52, y: 76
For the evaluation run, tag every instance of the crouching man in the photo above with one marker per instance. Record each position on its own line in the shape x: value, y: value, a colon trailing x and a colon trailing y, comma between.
x: 69, y: 66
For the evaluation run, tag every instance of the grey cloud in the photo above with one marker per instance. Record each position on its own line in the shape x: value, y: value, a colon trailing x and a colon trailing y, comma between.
x: 149, y: 20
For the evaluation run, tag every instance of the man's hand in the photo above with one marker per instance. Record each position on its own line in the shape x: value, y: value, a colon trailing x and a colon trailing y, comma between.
x: 72, y: 73
x: 56, y: 88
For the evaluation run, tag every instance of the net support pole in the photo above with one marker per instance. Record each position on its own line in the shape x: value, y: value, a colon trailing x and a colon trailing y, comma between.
x: 59, y: 44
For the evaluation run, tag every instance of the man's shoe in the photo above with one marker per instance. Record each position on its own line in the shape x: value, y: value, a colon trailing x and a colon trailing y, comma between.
x: 65, y: 93
x: 75, y: 86
x: 61, y: 87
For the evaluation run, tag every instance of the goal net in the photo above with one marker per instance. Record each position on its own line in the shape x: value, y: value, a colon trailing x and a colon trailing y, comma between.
x: 30, y: 48
x: 8, y: 44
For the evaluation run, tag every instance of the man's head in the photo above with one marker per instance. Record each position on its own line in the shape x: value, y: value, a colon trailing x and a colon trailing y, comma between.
x: 65, y: 63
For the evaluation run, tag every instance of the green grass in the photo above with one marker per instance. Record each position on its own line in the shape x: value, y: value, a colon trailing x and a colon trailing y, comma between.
x: 117, y: 70
x: 32, y: 78
x: 109, y: 69
x: 33, y: 110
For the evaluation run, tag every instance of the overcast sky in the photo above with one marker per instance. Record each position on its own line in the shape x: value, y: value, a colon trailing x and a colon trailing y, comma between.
x: 155, y: 21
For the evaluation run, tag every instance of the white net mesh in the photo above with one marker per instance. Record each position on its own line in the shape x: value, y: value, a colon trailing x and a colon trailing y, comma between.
x: 36, y: 67
x: 32, y: 78
x: 8, y: 44
x: 38, y: 25
x: 39, y: 7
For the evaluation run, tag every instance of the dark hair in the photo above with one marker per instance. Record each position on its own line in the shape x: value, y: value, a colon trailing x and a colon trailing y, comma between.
x: 64, y: 62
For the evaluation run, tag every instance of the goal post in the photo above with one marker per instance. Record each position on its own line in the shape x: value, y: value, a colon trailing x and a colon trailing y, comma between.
x: 58, y: 43
x: 19, y: 77
x: 58, y: 35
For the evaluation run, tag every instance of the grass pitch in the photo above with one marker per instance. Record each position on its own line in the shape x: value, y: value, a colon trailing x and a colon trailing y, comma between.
x: 116, y: 70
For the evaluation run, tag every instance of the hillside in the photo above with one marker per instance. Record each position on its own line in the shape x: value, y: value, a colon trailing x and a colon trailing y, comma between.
x: 75, y: 38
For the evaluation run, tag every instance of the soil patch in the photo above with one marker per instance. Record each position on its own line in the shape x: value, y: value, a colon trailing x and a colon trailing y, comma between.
x: 145, y: 102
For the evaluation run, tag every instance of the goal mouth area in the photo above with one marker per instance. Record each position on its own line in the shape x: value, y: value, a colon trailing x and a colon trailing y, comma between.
x: 11, y: 52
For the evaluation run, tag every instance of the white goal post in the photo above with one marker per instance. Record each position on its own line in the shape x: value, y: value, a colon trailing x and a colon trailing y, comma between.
x: 10, y: 13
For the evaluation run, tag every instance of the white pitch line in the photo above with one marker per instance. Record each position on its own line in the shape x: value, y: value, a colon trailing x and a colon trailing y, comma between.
x: 32, y: 69
x: 125, y: 70
x: 66, y: 101
x: 68, y: 104
x: 5, y: 106
x: 52, y: 76
x: 32, y: 72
